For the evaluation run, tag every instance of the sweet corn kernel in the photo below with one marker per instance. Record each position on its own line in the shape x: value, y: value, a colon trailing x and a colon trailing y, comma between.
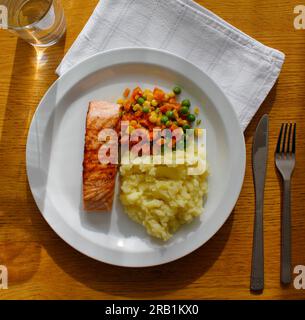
x: 150, y: 97
x: 147, y: 92
x: 136, y: 107
x: 159, y: 121
x: 166, y: 97
x: 180, y: 122
x: 171, y: 94
x: 154, y: 103
x: 196, y: 111
x: 120, y: 101
x: 133, y: 123
x: 146, y: 104
x: 153, y: 119
x: 130, y: 129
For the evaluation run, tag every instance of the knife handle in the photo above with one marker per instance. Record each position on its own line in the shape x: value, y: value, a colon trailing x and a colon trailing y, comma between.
x: 257, y: 272
x: 286, y: 236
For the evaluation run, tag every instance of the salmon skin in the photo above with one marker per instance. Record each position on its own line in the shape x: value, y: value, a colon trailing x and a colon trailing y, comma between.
x: 98, y: 178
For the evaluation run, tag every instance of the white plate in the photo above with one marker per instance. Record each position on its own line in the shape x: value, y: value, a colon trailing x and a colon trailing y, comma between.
x: 54, y: 156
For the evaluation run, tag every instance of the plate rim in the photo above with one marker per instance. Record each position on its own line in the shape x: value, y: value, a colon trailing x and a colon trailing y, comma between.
x: 242, y: 158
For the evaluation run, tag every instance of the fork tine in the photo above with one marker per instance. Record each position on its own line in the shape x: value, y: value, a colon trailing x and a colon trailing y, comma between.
x: 294, y: 138
x: 284, y: 140
x: 278, y: 147
x: 289, y: 138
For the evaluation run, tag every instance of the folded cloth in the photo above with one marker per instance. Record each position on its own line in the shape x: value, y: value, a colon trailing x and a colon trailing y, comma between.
x: 244, y: 68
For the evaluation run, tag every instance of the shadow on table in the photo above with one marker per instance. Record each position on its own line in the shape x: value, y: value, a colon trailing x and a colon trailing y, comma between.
x: 32, y: 74
x: 265, y: 108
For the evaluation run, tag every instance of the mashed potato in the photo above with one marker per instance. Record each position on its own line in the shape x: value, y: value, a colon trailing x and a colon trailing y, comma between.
x: 162, y: 197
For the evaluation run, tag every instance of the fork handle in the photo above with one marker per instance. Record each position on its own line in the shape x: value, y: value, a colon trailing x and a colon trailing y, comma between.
x: 286, y: 235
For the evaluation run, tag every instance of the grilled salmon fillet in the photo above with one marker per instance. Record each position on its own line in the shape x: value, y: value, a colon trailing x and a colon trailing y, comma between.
x: 98, y: 178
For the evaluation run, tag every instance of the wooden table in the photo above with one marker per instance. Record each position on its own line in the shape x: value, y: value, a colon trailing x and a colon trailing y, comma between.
x: 41, y: 265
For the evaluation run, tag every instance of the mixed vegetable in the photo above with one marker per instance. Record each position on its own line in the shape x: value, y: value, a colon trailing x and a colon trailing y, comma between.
x: 157, y: 109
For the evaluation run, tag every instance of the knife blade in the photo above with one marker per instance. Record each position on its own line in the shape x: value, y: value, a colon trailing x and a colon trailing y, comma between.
x: 259, y: 164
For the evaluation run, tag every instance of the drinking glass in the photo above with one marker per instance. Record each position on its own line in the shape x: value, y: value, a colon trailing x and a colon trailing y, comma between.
x: 39, y: 22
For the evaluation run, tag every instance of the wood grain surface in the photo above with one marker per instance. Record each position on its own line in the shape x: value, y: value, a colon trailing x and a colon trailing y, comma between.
x: 42, y: 266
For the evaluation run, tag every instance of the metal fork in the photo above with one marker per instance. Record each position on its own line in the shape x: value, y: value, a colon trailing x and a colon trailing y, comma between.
x: 285, y: 163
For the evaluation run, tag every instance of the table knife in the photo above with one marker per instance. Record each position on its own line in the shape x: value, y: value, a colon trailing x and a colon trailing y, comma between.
x: 259, y: 164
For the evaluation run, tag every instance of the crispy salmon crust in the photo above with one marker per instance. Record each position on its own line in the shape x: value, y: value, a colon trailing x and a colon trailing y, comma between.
x: 98, y: 178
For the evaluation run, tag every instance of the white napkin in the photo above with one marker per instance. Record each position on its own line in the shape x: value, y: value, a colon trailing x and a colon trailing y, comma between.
x: 244, y: 68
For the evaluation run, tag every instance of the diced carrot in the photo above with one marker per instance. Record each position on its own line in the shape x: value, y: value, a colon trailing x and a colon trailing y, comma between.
x: 126, y: 92
x: 127, y: 106
x: 144, y: 122
x: 164, y: 108
x: 172, y: 100
x: 136, y: 91
x: 172, y: 106
x: 159, y: 94
x: 176, y: 106
x: 173, y: 127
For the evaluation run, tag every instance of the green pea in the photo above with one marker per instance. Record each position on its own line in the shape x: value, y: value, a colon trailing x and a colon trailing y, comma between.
x: 170, y: 114
x: 168, y: 123
x: 186, y: 103
x: 177, y: 90
x: 146, y: 110
x: 141, y: 100
x: 184, y: 110
x: 191, y: 117
x: 164, y: 119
